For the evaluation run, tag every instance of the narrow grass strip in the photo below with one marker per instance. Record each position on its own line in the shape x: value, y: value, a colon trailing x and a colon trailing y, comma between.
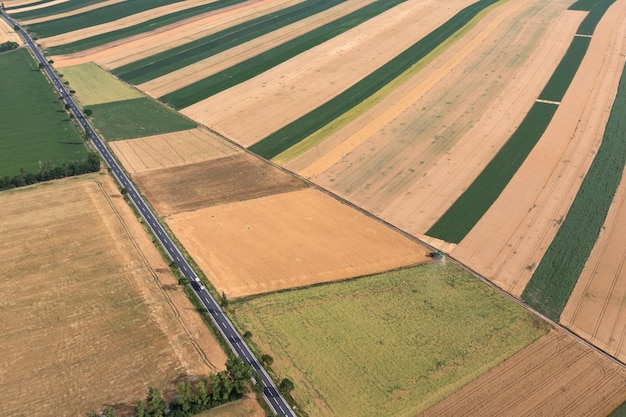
x: 564, y: 74
x: 557, y: 274
x: 64, y: 7
x: 588, y: 25
x: 461, y: 217
x: 308, y: 124
x: 338, y: 123
x: 173, y: 59
x: 252, y: 67
x: 140, y: 28
x: 95, y: 17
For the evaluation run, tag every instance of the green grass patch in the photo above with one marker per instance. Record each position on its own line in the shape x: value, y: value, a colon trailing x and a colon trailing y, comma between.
x: 308, y: 124
x: 583, y: 5
x: 252, y: 67
x: 95, y: 17
x: 173, y: 59
x: 53, y: 9
x: 459, y: 219
x: 139, y: 28
x: 556, y: 275
x: 386, y: 345
x: 34, y: 128
x: 136, y: 118
x: 564, y: 74
x: 619, y: 411
x: 93, y: 85
x: 588, y: 25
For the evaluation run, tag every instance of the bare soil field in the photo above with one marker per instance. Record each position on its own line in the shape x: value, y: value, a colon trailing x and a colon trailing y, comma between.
x: 8, y: 34
x: 251, y: 110
x: 116, y: 54
x: 554, y: 376
x: 245, y: 407
x: 511, y: 238
x: 289, y: 240
x: 595, y: 309
x: 408, y: 158
x: 72, y: 12
x: 91, y: 314
x: 171, y: 150
x: 205, y: 68
x: 240, y: 176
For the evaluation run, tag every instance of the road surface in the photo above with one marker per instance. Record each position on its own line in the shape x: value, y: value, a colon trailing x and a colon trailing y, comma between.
x: 272, y: 396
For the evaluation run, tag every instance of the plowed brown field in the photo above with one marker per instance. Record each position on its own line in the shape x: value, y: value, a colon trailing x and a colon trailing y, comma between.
x: 289, y: 240
x: 171, y: 150
x: 251, y: 110
x: 237, y: 177
x: 511, y: 238
x: 91, y: 314
x: 554, y: 376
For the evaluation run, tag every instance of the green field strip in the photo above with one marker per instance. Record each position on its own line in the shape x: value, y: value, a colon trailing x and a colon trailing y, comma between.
x: 335, y: 125
x: 37, y: 3
x: 95, y: 17
x: 140, y: 28
x: 619, y: 411
x: 252, y: 67
x: 295, y: 132
x: 179, y: 57
x: 583, y: 5
x: 557, y: 274
x: 135, y: 118
x: 588, y: 25
x: 64, y: 7
x: 461, y: 217
x: 34, y: 127
x: 562, y: 77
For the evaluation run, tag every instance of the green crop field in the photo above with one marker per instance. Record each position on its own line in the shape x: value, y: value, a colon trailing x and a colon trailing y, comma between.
x: 53, y: 9
x: 386, y: 345
x: 564, y: 74
x: 136, y: 118
x: 34, y: 127
x: 94, y: 17
x: 461, y: 217
x: 556, y: 275
x: 93, y: 85
x: 301, y: 128
x: 139, y: 28
x: 36, y: 3
x: 588, y: 26
x: 173, y: 59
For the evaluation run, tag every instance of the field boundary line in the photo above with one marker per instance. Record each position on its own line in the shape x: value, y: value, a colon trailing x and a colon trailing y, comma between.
x: 540, y: 100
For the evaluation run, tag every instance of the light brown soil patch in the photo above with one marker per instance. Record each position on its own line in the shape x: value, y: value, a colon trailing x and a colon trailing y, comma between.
x: 8, y: 34
x: 124, y: 51
x: 554, y: 376
x: 289, y: 240
x: 252, y: 110
x: 596, y: 308
x: 90, y: 313
x: 512, y: 237
x: 410, y: 170
x: 14, y: 3
x: 71, y: 12
x: 171, y: 150
x: 246, y: 407
x: 224, y: 180
x: 205, y: 68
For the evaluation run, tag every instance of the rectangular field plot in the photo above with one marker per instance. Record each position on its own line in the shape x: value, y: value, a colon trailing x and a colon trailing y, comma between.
x: 135, y: 118
x: 93, y: 85
x: 289, y: 240
x: 392, y: 344
x: 90, y: 313
x: 35, y: 128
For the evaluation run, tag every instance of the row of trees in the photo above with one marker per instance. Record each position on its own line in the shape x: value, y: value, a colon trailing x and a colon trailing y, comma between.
x: 49, y: 172
x: 8, y: 45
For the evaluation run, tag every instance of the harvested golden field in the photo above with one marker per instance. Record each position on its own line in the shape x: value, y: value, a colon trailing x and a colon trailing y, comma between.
x: 289, y: 240
x: 72, y: 12
x: 240, y: 176
x: 512, y: 237
x: 25, y: 8
x: 171, y: 150
x: 408, y: 158
x: 91, y: 314
x: 93, y: 85
x: 250, y: 111
x: 554, y: 376
x: 8, y: 34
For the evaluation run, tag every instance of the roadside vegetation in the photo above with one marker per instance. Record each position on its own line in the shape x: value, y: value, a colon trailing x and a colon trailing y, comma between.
x: 8, y: 46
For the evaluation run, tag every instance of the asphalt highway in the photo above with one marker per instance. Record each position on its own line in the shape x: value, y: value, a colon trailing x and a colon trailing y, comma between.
x: 272, y: 396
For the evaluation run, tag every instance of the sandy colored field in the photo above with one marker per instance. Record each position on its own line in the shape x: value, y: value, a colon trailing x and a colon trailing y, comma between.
x: 511, y: 238
x: 427, y: 141
x: 251, y: 110
x: 555, y: 376
x: 171, y: 150
x: 124, y: 51
x: 90, y: 313
x: 93, y: 85
x: 35, y: 7
x: 595, y: 309
x: 8, y: 34
x: 72, y: 12
x: 237, y: 177
x: 289, y: 240
x: 246, y: 407
x: 132, y: 20
x: 207, y: 67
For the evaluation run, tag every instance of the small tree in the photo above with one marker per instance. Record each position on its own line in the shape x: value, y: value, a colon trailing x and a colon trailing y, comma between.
x: 267, y: 359
x: 286, y: 386
x: 108, y: 412
x: 88, y: 112
x: 247, y: 334
x: 224, y: 300
x: 140, y: 409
